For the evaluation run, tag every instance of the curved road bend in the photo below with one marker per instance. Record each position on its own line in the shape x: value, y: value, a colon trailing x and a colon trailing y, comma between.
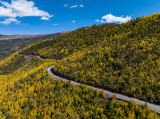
x: 119, y: 96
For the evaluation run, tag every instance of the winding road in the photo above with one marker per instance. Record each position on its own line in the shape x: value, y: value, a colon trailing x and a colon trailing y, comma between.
x: 119, y: 96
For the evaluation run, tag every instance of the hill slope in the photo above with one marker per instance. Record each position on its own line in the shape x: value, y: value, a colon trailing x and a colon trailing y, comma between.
x: 29, y: 92
x: 10, y: 44
x: 121, y: 57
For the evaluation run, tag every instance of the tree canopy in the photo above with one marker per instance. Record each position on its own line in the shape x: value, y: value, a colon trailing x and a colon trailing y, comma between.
x: 122, y: 57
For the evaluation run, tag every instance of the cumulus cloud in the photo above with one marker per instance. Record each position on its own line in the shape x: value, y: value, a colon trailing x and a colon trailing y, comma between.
x: 44, y: 18
x: 109, y: 18
x: 6, y: 12
x: 73, y: 21
x: 22, y: 8
x: 10, y: 20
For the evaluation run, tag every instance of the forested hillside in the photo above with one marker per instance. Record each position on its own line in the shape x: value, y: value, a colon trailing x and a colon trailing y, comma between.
x: 29, y: 92
x: 11, y: 64
x: 122, y: 57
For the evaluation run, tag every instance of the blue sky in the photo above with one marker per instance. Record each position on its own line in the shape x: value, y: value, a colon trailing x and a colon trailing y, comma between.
x: 51, y: 16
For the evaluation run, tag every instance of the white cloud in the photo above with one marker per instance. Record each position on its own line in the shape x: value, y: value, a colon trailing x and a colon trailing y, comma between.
x: 6, y: 12
x: 10, y: 20
x: 55, y: 24
x: 102, y: 21
x: 65, y: 5
x: 44, y: 18
x: 109, y: 18
x: 74, y: 6
x: 81, y: 5
x: 97, y: 20
x: 22, y: 8
x: 73, y: 21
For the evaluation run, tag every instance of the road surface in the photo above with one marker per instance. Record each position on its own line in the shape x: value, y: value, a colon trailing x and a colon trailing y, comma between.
x: 119, y: 96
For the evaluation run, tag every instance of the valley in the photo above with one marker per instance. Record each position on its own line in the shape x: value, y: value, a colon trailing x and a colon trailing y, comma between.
x: 10, y: 44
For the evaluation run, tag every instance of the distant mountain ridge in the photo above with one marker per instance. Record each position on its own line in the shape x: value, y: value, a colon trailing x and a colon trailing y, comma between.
x: 13, y: 43
x: 19, y: 36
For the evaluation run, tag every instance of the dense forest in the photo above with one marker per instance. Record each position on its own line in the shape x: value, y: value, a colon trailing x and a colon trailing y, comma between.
x: 122, y: 57
x: 11, y: 64
x: 29, y: 92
